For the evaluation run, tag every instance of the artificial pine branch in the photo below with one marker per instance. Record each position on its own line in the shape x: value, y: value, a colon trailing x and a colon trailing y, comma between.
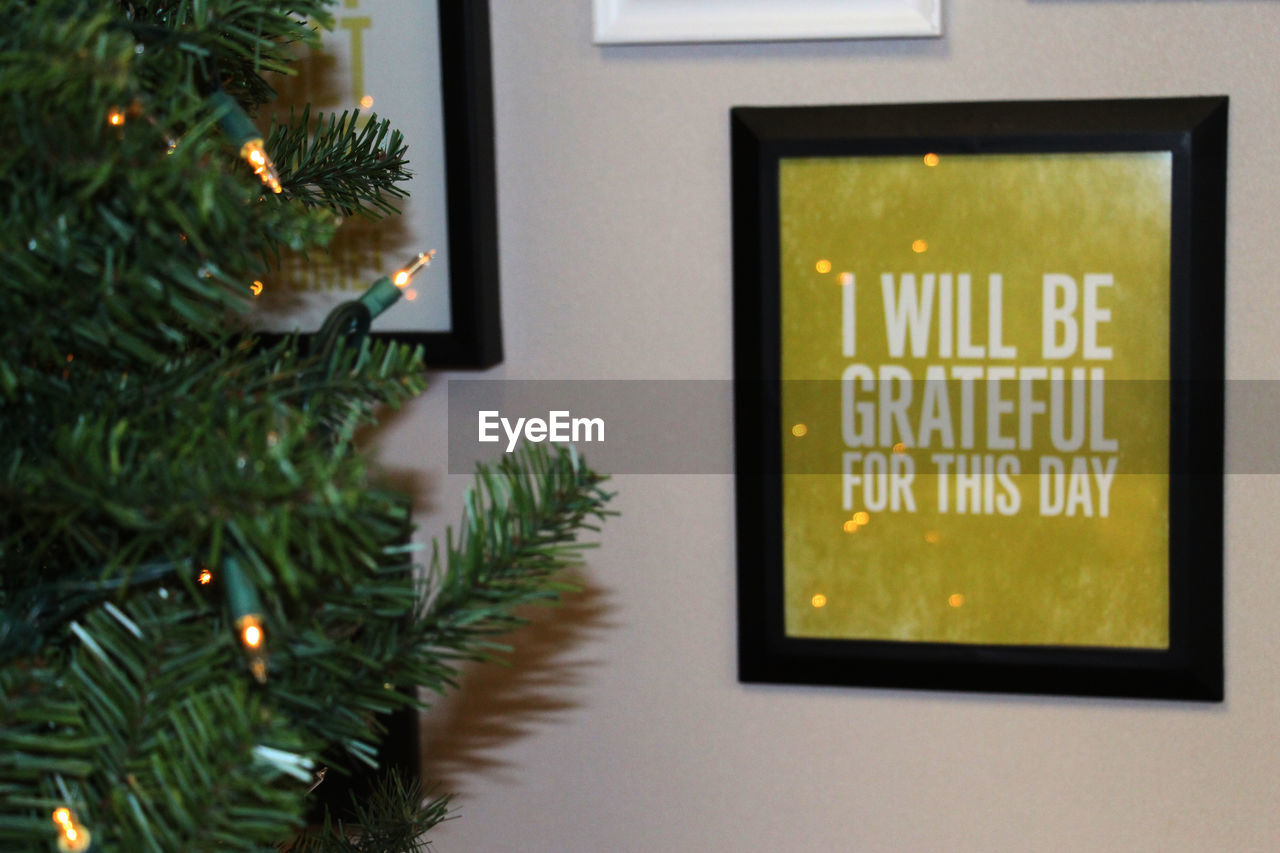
x: 394, y: 819
x: 343, y: 164
x: 146, y: 440
x: 219, y: 443
x: 519, y: 529
x: 153, y: 744
x: 519, y: 533
x: 247, y: 38
x: 150, y: 669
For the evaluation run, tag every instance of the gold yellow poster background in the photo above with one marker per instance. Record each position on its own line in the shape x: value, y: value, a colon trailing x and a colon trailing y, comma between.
x: 976, y: 577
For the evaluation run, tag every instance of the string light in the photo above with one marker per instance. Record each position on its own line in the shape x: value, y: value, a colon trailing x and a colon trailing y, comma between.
x: 349, y: 321
x: 72, y: 837
x: 205, y: 577
x: 402, y: 278
x: 242, y: 599
x: 256, y: 156
x: 256, y: 288
x: 116, y: 116
x: 254, y: 640
x: 251, y: 633
x: 384, y: 292
x: 239, y: 129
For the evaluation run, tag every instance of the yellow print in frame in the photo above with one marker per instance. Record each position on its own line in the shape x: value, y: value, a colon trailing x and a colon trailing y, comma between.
x: 977, y: 348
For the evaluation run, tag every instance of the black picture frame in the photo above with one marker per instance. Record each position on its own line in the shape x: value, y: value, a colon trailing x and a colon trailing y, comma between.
x: 474, y: 339
x: 1194, y: 130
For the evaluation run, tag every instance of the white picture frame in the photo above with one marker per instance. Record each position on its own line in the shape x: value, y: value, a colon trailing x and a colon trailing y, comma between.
x: 670, y: 21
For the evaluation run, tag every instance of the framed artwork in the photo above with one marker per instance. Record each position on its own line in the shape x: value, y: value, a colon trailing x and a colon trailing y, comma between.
x: 433, y: 80
x: 979, y: 395
x: 641, y: 21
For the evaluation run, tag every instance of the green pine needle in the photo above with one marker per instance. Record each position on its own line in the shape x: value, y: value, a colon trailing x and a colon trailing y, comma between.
x: 345, y: 164
x: 147, y: 435
x: 394, y: 819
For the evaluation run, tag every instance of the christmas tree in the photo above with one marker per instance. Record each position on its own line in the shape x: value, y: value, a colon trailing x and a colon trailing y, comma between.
x: 208, y: 597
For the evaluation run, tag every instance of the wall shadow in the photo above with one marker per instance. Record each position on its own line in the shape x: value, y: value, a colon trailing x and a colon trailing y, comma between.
x: 496, y: 704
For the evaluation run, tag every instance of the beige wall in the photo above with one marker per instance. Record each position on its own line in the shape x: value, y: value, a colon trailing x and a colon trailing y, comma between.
x: 622, y: 727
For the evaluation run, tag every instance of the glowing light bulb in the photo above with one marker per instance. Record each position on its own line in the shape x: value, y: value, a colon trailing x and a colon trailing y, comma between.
x: 861, y: 517
x: 254, y: 640
x: 366, y: 101
x: 799, y: 430
x: 819, y: 600
x: 256, y: 287
x: 823, y: 266
x: 956, y: 600
x: 919, y: 247
x: 402, y: 277
x: 115, y: 118
x: 205, y: 576
x: 931, y: 159
x: 256, y: 156
x: 72, y: 837
x: 251, y: 634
